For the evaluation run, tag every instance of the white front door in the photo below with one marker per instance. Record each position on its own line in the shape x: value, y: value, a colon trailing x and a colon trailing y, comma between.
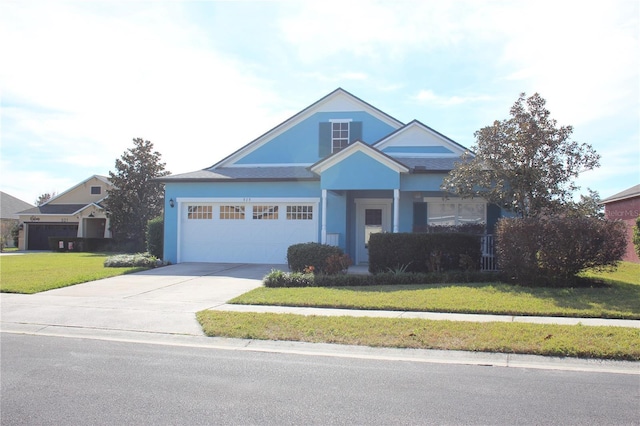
x: 372, y: 216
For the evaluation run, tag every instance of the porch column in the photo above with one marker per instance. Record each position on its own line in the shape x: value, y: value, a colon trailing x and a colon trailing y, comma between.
x: 107, y: 228
x: 323, y: 232
x: 80, y: 232
x: 396, y: 210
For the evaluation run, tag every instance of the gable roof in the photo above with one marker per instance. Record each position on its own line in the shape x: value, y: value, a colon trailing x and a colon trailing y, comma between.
x: 358, y: 146
x: 104, y: 179
x: 455, y: 148
x: 338, y: 98
x: 632, y: 192
x: 10, y: 206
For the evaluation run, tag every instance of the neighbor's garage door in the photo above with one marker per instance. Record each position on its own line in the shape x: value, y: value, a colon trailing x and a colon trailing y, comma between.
x: 38, y: 238
x: 244, y: 232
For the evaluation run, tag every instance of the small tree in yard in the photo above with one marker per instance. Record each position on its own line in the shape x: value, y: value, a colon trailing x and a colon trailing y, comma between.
x: 527, y: 164
x: 136, y: 197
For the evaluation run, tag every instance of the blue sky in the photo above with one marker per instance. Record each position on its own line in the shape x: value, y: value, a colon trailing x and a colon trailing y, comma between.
x: 80, y: 80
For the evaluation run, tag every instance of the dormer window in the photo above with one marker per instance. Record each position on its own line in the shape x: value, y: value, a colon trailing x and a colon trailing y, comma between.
x: 339, y: 135
x: 96, y: 190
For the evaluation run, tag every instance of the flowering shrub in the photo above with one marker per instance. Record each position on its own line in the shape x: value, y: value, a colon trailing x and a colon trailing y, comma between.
x: 144, y: 260
x: 277, y: 278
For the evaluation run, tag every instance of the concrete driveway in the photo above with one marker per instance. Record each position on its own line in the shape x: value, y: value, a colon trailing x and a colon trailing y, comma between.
x: 161, y: 300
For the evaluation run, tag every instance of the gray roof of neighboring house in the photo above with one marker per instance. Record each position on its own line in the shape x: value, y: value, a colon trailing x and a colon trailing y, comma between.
x: 55, y: 209
x: 10, y: 206
x: 418, y: 165
x: 634, y: 191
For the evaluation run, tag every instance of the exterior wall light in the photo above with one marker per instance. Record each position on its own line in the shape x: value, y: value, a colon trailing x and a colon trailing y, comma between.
x: 171, y: 203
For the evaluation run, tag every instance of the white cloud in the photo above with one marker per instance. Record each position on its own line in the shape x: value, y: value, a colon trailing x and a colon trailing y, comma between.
x: 81, y: 84
x: 429, y: 97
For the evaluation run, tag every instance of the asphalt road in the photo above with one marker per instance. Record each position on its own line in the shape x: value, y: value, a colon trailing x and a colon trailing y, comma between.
x: 67, y: 381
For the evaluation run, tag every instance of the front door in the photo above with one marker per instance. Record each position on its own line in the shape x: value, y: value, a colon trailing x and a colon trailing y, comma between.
x: 373, y: 216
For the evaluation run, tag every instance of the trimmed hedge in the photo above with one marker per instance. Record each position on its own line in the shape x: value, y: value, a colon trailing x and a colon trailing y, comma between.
x: 277, y: 278
x: 313, y: 256
x: 419, y: 252
x: 79, y: 244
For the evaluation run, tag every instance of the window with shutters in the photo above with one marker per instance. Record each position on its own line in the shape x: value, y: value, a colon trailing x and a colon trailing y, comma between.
x: 336, y: 134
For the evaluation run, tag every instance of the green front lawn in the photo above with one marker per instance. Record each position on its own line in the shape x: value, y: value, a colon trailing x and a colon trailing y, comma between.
x: 535, y: 339
x: 619, y: 298
x: 36, y: 272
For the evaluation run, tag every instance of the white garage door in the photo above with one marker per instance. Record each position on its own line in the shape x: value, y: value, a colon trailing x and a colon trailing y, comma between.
x: 259, y: 231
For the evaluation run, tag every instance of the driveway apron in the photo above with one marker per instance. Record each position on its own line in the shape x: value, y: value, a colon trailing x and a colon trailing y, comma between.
x: 162, y: 300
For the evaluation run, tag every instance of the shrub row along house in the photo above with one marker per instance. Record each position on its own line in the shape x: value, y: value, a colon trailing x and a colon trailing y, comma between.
x: 78, y: 212
x: 334, y: 173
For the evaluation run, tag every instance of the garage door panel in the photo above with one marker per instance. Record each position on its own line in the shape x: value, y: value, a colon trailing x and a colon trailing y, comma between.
x: 243, y: 240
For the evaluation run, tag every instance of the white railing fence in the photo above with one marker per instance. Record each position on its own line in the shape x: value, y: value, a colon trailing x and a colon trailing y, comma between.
x: 488, y: 260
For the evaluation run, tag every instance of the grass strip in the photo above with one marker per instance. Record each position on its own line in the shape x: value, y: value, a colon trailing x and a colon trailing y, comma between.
x: 536, y: 339
x: 612, y: 301
x: 36, y: 272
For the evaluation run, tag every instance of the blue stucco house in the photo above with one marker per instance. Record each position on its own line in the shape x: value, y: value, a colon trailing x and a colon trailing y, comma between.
x: 334, y: 173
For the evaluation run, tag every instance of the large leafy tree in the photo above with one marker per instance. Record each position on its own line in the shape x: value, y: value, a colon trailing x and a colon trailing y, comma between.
x: 136, y: 197
x: 527, y: 163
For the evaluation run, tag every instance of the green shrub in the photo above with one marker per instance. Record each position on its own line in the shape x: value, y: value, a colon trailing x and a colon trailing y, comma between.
x: 15, y: 234
x: 79, y: 244
x: 553, y: 250
x: 277, y: 278
x: 144, y: 260
x: 155, y: 237
x: 301, y: 257
x: 424, y: 252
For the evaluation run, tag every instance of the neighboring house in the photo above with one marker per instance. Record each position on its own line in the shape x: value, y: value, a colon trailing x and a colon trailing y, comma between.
x: 9, y: 208
x: 334, y: 173
x: 77, y: 212
x: 625, y: 206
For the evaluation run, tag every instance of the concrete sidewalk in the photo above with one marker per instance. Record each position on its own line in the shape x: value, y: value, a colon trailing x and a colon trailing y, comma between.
x: 158, y: 307
x: 431, y: 315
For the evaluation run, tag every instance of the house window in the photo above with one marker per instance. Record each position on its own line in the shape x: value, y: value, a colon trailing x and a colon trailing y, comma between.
x: 453, y: 214
x: 199, y: 212
x: 265, y: 212
x: 339, y: 136
x: 96, y: 190
x: 299, y: 212
x: 231, y: 212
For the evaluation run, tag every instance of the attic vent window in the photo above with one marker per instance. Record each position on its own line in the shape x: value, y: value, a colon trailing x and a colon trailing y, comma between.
x: 339, y: 136
x: 96, y: 190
